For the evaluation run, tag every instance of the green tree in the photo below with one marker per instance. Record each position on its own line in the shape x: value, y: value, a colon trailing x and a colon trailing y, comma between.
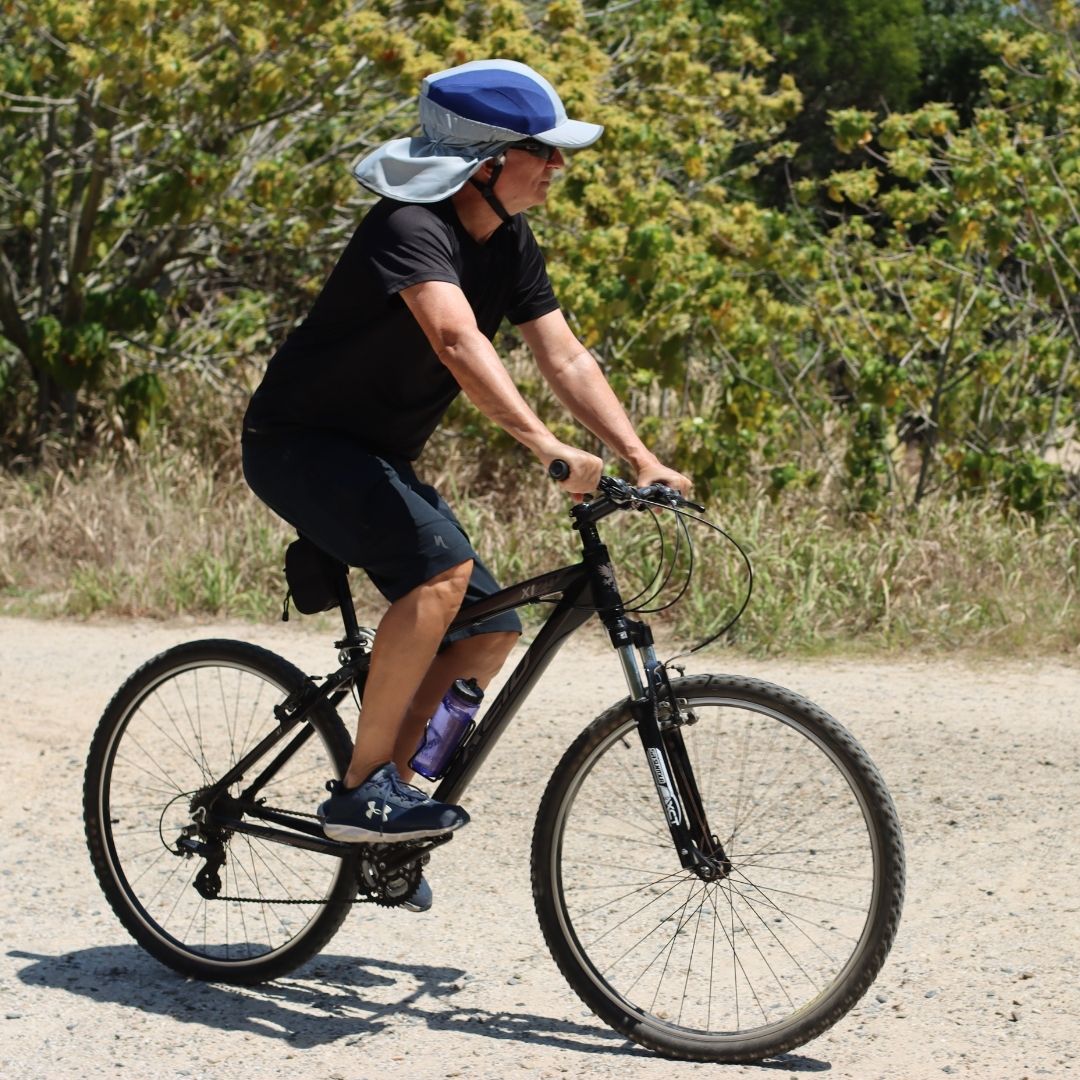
x: 175, y: 174
x: 948, y: 298
x: 147, y: 143
x: 655, y: 238
x: 953, y: 53
x: 841, y: 54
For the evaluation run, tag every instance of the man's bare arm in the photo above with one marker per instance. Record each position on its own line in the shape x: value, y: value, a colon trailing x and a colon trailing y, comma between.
x: 578, y: 382
x: 447, y: 320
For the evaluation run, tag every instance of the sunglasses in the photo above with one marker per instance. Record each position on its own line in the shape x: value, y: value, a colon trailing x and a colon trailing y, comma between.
x: 537, y: 149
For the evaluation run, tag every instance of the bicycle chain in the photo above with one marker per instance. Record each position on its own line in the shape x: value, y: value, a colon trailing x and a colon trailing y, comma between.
x: 367, y: 898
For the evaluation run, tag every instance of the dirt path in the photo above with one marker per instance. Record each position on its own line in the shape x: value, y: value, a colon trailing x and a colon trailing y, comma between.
x: 983, y: 762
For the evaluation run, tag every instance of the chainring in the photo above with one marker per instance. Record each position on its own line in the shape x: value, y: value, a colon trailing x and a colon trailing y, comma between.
x: 389, y: 884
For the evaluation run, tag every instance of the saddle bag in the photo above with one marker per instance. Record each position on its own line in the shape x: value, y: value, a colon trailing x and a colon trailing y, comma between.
x: 312, y: 578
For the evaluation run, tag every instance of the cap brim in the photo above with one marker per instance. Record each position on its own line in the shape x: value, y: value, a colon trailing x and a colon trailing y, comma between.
x: 571, y: 135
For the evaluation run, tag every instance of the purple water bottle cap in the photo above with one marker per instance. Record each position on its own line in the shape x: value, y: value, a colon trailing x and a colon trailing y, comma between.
x: 469, y: 690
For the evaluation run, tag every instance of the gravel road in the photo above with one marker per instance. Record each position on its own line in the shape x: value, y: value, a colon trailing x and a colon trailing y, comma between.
x: 982, y: 761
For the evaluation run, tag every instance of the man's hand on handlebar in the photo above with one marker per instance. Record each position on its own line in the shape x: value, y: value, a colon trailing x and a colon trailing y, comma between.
x: 584, y: 474
x: 657, y: 473
x: 654, y: 482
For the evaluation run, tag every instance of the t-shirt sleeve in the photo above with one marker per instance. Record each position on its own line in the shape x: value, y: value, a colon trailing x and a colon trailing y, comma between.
x: 408, y: 245
x: 532, y: 294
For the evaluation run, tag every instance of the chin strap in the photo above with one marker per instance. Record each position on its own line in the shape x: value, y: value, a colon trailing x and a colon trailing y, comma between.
x: 487, y: 189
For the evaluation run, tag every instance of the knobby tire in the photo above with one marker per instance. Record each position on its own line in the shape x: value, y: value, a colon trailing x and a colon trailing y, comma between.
x: 768, y: 958
x: 175, y: 726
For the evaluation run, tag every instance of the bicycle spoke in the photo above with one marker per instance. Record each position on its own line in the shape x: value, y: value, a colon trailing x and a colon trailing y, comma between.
x: 632, y: 892
x: 643, y: 907
x: 761, y: 944
x: 189, y: 725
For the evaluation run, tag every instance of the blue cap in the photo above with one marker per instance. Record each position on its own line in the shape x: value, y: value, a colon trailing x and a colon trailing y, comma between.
x: 469, y: 114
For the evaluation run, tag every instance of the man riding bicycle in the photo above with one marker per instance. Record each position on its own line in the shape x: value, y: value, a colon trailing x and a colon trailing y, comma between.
x: 403, y: 324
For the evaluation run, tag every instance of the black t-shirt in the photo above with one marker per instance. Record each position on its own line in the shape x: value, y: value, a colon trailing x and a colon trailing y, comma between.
x: 360, y: 362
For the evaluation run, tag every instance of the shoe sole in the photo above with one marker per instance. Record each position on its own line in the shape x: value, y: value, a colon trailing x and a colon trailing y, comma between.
x: 357, y: 834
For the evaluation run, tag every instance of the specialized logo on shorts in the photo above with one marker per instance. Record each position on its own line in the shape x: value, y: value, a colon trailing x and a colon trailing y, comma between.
x: 664, y: 786
x: 439, y: 541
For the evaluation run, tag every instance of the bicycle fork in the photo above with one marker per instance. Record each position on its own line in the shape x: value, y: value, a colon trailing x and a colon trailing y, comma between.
x: 699, y: 849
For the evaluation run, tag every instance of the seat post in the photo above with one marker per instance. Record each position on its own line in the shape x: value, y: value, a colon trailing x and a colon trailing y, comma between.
x: 348, y: 610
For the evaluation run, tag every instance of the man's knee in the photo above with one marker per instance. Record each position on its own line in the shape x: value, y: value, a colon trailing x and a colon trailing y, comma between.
x: 486, y: 652
x: 449, y: 586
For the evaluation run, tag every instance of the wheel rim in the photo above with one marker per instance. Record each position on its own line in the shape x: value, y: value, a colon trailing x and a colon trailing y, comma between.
x: 178, y: 736
x: 749, y: 957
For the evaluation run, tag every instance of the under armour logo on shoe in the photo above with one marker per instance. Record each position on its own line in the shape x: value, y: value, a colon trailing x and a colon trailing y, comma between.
x: 373, y: 811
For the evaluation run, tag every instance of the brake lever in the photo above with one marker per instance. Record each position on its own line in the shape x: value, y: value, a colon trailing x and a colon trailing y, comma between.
x: 661, y: 492
x: 621, y: 492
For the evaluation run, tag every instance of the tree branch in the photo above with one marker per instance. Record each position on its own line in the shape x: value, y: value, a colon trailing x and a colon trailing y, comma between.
x: 83, y: 229
x: 10, y: 318
x: 933, y: 420
x: 154, y: 262
x: 1066, y: 305
x: 48, y: 208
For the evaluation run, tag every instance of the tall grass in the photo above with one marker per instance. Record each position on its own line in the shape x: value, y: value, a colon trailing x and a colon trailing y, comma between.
x: 174, y: 531
x: 961, y: 575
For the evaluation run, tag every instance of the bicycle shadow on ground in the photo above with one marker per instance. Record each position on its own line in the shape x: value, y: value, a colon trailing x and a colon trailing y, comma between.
x: 331, y: 998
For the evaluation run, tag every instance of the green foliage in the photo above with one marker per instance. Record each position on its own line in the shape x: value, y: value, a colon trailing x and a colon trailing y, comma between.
x: 176, y: 190
x: 841, y: 54
x: 950, y: 314
x: 849, y: 51
x: 165, y: 156
x: 663, y: 289
x: 953, y: 52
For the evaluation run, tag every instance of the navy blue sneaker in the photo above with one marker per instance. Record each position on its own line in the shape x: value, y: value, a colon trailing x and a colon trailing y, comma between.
x: 421, y: 899
x: 384, y: 809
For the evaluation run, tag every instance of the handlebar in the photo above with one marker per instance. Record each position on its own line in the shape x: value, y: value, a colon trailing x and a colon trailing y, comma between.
x: 615, y: 495
x: 621, y: 494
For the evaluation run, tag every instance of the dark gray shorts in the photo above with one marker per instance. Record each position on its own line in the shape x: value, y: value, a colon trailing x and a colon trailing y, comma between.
x: 368, y: 511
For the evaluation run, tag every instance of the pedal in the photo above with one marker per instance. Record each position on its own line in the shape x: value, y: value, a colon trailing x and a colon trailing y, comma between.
x: 419, y: 850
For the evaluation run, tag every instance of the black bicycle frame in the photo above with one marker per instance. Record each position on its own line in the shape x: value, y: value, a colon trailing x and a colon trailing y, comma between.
x: 585, y: 589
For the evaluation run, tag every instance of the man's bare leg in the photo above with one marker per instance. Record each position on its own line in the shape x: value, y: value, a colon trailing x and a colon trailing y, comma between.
x: 405, y: 645
x: 480, y: 658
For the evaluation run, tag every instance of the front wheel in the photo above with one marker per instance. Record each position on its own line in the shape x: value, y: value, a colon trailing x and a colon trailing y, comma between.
x: 772, y: 954
x: 230, y: 906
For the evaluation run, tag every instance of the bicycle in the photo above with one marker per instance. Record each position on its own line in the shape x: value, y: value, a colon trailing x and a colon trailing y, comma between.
x: 717, y: 865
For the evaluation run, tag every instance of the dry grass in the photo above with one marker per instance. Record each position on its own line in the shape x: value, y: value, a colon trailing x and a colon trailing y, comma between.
x: 961, y: 575
x: 160, y: 536
x: 166, y: 533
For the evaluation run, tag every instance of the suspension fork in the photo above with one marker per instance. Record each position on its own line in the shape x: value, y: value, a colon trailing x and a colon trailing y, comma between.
x: 669, y: 764
x: 698, y: 847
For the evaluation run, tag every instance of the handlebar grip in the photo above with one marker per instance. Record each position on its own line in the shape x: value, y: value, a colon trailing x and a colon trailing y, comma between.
x: 558, y: 469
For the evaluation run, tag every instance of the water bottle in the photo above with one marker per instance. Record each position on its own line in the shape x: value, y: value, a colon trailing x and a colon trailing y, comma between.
x: 446, y: 728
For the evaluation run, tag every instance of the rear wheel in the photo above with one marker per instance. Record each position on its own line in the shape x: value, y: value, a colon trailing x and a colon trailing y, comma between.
x: 767, y: 957
x: 172, y: 729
